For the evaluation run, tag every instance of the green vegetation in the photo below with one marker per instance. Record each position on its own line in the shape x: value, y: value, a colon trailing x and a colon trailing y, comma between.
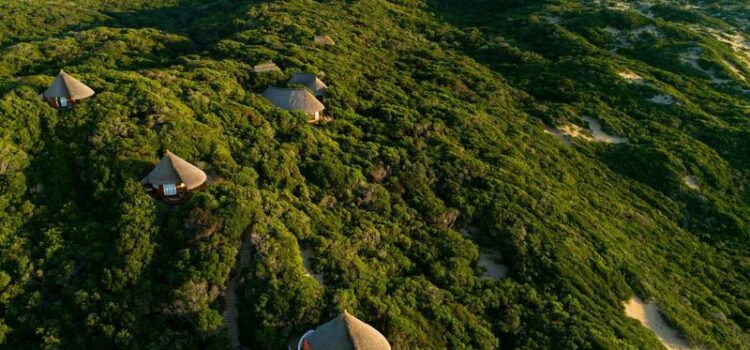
x: 439, y: 108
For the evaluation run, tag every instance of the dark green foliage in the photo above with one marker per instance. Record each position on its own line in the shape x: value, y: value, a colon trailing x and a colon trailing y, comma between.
x: 439, y: 108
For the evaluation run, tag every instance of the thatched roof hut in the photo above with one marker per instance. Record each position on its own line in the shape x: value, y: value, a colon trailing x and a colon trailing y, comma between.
x: 324, y: 40
x: 299, y: 99
x: 266, y: 67
x: 174, y: 176
x: 66, y: 91
x: 345, y: 332
x: 311, y: 81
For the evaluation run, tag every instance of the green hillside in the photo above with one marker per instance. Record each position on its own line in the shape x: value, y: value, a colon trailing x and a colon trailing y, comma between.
x: 450, y: 140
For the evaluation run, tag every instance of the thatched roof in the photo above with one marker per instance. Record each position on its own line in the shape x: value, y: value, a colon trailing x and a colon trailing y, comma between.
x: 346, y: 332
x: 324, y: 40
x: 175, y: 170
x: 68, y: 87
x: 293, y: 99
x: 266, y: 67
x: 311, y: 81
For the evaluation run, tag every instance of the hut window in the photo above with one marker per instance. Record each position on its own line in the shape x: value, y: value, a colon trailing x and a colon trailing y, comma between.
x: 63, y: 102
x: 170, y: 189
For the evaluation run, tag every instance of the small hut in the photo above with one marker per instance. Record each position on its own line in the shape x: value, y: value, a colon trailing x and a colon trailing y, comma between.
x: 312, y: 82
x: 66, y: 91
x: 345, y: 332
x: 324, y: 40
x: 173, y: 178
x: 296, y: 99
x: 266, y: 67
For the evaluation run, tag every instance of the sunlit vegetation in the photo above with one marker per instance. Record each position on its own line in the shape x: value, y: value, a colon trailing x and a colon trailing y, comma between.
x: 439, y: 110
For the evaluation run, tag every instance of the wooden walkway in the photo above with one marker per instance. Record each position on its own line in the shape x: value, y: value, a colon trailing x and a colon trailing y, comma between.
x: 230, y: 295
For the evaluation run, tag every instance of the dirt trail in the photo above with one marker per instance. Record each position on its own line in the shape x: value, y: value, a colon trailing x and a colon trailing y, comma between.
x: 230, y: 295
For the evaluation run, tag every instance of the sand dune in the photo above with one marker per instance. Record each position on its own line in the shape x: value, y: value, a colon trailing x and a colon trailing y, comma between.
x: 648, y: 314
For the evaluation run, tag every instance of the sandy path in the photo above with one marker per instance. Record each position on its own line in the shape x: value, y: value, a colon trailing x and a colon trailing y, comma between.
x: 649, y: 316
x: 230, y: 296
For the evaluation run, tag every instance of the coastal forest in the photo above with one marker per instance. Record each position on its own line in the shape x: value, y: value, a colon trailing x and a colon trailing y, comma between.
x: 494, y: 174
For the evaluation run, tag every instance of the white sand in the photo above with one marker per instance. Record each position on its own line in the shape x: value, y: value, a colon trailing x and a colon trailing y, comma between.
x: 557, y: 133
x: 306, y: 255
x: 632, y: 77
x: 492, y: 269
x: 648, y: 315
x: 601, y: 136
x: 576, y: 131
x: 691, y: 181
x: 568, y: 131
x: 662, y: 99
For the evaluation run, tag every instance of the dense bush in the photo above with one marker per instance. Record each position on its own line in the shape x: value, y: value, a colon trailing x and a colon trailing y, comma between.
x: 439, y: 111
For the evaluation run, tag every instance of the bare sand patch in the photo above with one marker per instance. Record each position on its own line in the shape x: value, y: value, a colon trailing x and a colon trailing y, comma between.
x: 691, y: 181
x: 648, y: 314
x: 662, y: 99
x: 568, y: 131
x: 572, y: 130
x: 306, y: 256
x: 632, y: 77
x: 599, y: 135
x: 492, y: 268
x: 557, y: 133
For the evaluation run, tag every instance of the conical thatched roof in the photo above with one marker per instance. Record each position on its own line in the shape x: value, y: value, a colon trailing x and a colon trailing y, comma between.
x: 311, y: 81
x: 293, y: 99
x: 68, y: 87
x: 346, y: 332
x: 324, y: 40
x: 175, y: 170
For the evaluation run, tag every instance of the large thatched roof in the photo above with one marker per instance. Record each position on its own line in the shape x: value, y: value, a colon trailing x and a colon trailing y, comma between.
x: 68, y: 87
x: 346, y: 332
x: 293, y: 99
x: 175, y: 170
x: 311, y: 81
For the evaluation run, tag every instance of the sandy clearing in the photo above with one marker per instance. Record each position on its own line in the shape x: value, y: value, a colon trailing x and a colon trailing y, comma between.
x: 662, y: 99
x: 691, y: 181
x: 632, y: 77
x: 492, y: 268
x: 306, y: 256
x: 576, y: 131
x: 599, y: 135
x: 568, y: 131
x: 557, y: 133
x: 649, y: 316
